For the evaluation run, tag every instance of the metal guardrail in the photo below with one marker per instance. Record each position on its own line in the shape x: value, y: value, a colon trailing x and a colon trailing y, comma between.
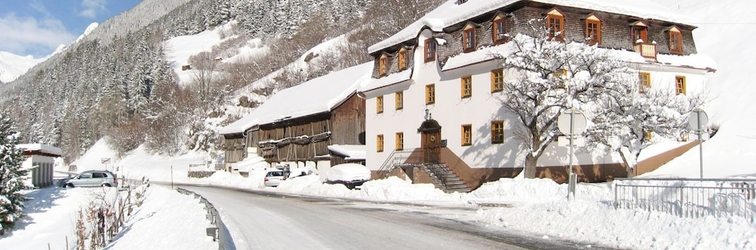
x: 690, y: 198
x: 393, y: 160
x: 220, y: 231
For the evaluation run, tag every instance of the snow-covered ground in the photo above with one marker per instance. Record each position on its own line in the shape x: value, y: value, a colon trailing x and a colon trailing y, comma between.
x: 537, y: 206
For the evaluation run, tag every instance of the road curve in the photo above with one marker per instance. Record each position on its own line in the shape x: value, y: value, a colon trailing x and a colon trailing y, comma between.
x: 263, y: 220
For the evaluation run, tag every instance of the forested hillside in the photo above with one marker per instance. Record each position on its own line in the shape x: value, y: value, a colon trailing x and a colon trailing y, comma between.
x: 116, y: 82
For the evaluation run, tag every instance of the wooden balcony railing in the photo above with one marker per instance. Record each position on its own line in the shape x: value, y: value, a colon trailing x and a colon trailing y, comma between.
x: 646, y: 50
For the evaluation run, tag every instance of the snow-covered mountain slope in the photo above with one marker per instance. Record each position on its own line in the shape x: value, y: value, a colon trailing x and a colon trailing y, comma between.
x: 724, y: 34
x: 12, y: 66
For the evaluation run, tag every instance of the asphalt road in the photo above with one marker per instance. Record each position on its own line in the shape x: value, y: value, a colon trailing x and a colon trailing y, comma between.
x: 263, y: 220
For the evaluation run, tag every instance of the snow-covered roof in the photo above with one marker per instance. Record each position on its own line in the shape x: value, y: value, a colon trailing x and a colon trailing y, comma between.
x: 351, y: 152
x: 695, y: 61
x: 387, y: 80
x: 315, y: 96
x: 42, y: 148
x: 451, y: 13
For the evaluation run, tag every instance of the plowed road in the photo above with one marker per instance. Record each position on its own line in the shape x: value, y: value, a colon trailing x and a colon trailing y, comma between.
x: 263, y: 220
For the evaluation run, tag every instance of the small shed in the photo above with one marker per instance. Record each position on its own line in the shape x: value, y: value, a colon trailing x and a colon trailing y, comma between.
x: 40, y: 159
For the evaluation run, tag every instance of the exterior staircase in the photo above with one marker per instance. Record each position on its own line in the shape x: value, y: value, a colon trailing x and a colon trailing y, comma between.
x: 445, y: 179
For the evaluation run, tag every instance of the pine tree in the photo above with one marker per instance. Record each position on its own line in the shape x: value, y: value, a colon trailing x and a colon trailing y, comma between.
x: 11, y: 176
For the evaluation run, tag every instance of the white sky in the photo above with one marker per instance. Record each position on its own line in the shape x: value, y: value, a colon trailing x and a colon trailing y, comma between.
x: 539, y: 206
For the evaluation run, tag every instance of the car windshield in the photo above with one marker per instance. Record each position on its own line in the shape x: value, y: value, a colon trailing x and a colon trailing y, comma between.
x: 275, y: 173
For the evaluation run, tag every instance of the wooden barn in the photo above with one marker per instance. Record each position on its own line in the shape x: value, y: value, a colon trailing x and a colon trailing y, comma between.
x: 297, y: 125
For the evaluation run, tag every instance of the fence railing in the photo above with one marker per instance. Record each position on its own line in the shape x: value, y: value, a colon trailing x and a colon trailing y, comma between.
x: 220, y: 231
x: 394, y: 159
x: 692, y: 198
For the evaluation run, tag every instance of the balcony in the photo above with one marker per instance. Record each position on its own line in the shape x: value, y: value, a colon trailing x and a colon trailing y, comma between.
x: 646, y: 50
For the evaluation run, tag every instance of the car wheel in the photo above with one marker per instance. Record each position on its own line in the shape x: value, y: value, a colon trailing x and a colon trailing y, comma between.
x: 69, y: 185
x: 106, y: 184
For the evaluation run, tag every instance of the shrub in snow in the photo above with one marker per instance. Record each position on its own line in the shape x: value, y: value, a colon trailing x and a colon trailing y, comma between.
x: 11, y: 176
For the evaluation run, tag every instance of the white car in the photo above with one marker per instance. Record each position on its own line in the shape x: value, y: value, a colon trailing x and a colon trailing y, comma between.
x: 274, y: 177
x: 352, y: 175
x: 93, y: 178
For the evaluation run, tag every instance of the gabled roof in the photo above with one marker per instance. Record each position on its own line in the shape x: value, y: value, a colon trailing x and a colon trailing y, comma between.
x: 315, y: 96
x: 450, y: 13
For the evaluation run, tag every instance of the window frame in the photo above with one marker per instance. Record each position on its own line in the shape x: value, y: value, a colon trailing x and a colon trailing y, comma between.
x: 402, y: 59
x: 499, y: 37
x: 430, y: 94
x: 680, y: 85
x: 399, y: 143
x: 383, y: 65
x: 675, y: 41
x: 379, y: 105
x: 639, y: 31
x: 555, y: 20
x: 644, y: 81
x: 469, y: 43
x: 399, y: 100
x: 497, y: 132
x: 466, y: 86
x: 497, y: 86
x: 379, y: 143
x: 593, y: 20
x: 466, y: 136
x: 429, y: 50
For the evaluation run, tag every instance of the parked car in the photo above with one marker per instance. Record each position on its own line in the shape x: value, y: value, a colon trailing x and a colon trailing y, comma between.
x: 352, y: 175
x: 274, y: 177
x: 93, y: 178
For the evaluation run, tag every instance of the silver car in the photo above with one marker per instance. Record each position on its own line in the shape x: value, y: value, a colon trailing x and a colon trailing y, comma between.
x: 93, y: 178
x: 273, y: 178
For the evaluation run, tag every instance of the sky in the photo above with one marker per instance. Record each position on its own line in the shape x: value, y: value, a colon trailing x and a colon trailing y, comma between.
x: 38, y: 27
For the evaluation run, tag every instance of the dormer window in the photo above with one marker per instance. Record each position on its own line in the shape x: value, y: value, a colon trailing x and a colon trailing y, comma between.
x: 383, y: 65
x: 500, y: 29
x: 640, y: 32
x: 593, y: 30
x: 555, y: 25
x: 402, y: 59
x: 468, y: 38
x: 675, y: 41
x: 430, y: 50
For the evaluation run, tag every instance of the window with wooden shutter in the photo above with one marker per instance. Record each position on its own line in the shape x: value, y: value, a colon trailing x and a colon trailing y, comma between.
x: 497, y: 80
x: 680, y: 84
x: 399, y: 99
x: 468, y: 38
x: 430, y: 94
x: 555, y: 25
x: 675, y: 41
x: 466, y: 87
x: 379, y: 143
x: 592, y: 30
x: 500, y: 30
x: 645, y: 81
x: 383, y: 65
x: 430, y: 50
x: 466, y: 135
x: 497, y: 132
x: 402, y: 59
x: 379, y: 104
x: 399, y: 141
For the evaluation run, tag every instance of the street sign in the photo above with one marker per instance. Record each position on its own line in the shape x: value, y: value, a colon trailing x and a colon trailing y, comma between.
x: 697, y: 120
x: 564, y: 141
x: 577, y: 118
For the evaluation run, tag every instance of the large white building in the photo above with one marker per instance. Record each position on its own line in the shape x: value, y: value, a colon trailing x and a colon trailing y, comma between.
x: 433, y: 108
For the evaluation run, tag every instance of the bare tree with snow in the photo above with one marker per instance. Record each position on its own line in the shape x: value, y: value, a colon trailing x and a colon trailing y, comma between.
x: 548, y: 77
